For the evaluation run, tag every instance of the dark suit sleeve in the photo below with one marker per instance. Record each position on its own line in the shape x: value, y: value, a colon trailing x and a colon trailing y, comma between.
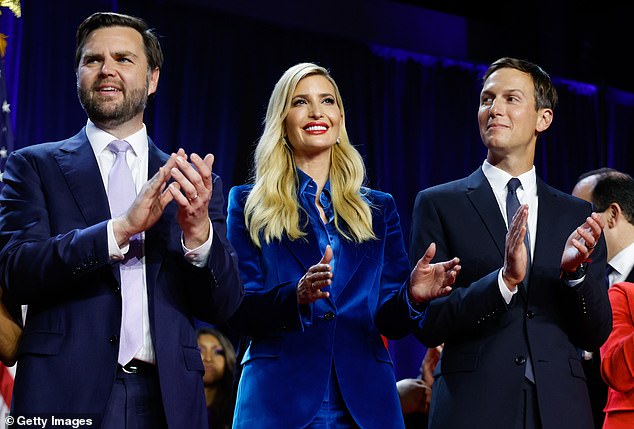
x: 263, y: 309
x: 31, y: 255
x: 426, y: 228
x: 394, y: 317
x: 217, y: 303
x: 473, y: 300
x: 589, y: 314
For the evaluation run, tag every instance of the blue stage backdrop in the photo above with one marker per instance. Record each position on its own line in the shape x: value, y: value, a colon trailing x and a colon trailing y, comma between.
x: 411, y: 114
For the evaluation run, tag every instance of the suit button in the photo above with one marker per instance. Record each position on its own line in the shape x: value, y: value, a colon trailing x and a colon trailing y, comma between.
x: 113, y: 339
x: 519, y: 360
x: 117, y: 289
x: 329, y: 316
x: 530, y: 314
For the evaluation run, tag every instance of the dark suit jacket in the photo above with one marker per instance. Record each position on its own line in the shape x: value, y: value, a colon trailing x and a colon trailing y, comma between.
x: 287, y: 365
x: 55, y: 259
x: 478, y: 379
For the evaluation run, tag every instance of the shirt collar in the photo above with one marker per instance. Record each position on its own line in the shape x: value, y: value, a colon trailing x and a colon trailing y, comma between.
x: 99, y: 139
x: 307, y: 184
x: 498, y: 178
x: 624, y: 260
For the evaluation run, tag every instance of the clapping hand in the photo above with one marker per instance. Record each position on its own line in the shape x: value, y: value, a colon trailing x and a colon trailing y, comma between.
x: 429, y: 281
x: 318, y: 276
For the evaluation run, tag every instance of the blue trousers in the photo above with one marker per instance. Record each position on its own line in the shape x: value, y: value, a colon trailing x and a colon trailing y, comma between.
x: 333, y: 413
x: 135, y: 402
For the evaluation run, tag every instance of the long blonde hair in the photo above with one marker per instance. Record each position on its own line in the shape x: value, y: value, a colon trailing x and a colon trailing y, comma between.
x: 272, y: 209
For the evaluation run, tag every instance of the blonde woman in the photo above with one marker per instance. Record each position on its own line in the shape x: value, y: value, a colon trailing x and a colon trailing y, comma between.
x: 325, y: 271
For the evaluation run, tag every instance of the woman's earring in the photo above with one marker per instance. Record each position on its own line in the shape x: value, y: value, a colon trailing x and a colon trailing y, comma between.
x: 338, y: 141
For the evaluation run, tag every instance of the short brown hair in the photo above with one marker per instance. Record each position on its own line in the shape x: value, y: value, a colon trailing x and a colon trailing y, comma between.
x: 545, y: 93
x: 98, y: 20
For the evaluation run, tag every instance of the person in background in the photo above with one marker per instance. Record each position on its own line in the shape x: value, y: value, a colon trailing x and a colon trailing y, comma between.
x: 586, y: 181
x: 113, y: 261
x: 325, y: 271
x: 612, y: 193
x: 219, y: 360
x: 617, y: 359
x: 415, y: 393
x: 531, y: 291
x: 10, y: 333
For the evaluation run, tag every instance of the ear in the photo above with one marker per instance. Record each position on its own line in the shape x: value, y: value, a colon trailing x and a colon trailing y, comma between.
x: 612, y: 215
x: 544, y: 119
x: 154, y: 78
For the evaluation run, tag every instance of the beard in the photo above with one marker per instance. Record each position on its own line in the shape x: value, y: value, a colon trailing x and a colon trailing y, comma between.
x: 103, y: 111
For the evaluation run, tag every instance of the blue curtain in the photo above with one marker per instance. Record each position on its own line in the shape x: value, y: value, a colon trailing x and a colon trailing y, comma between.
x: 412, y: 116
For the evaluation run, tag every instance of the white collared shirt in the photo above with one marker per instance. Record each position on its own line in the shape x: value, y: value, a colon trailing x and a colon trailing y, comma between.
x: 526, y: 194
x: 622, y: 264
x: 137, y: 159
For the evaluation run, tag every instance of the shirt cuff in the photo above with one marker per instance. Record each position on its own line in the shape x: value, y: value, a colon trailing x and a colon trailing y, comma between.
x: 416, y: 311
x: 573, y: 283
x: 504, y: 290
x: 199, y: 255
x: 116, y: 253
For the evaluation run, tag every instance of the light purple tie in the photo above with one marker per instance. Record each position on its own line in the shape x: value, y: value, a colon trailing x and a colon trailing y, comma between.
x: 121, y: 194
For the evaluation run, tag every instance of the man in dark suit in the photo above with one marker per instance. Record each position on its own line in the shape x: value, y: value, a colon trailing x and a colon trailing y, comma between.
x: 519, y: 312
x: 612, y: 193
x: 112, y: 298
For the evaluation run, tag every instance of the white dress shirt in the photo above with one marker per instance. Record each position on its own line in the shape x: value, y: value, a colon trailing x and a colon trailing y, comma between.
x: 137, y: 159
x: 622, y: 264
x: 526, y: 194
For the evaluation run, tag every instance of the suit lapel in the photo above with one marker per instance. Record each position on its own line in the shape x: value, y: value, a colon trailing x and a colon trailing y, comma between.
x: 481, y: 195
x: 78, y: 164
x: 350, y: 256
x: 156, y: 158
x: 548, y: 211
x: 154, y: 253
x: 306, y: 249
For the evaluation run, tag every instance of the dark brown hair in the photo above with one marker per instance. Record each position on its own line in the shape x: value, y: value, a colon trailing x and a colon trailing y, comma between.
x: 545, y: 93
x: 98, y: 20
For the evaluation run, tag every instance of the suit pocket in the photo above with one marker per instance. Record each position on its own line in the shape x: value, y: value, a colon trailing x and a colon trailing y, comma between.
x: 263, y: 348
x: 40, y: 343
x: 193, y: 361
x: 576, y: 368
x: 456, y: 362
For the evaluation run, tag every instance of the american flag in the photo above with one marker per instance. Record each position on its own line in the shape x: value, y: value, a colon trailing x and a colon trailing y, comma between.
x: 6, y: 146
x: 6, y: 388
x: 6, y: 131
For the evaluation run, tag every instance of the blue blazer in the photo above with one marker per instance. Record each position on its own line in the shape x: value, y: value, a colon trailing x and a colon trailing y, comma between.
x: 287, y: 364
x: 55, y: 259
x: 481, y: 371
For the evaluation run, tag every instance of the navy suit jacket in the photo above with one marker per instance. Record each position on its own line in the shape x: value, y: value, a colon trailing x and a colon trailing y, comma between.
x: 287, y: 365
x: 481, y: 371
x: 55, y: 259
